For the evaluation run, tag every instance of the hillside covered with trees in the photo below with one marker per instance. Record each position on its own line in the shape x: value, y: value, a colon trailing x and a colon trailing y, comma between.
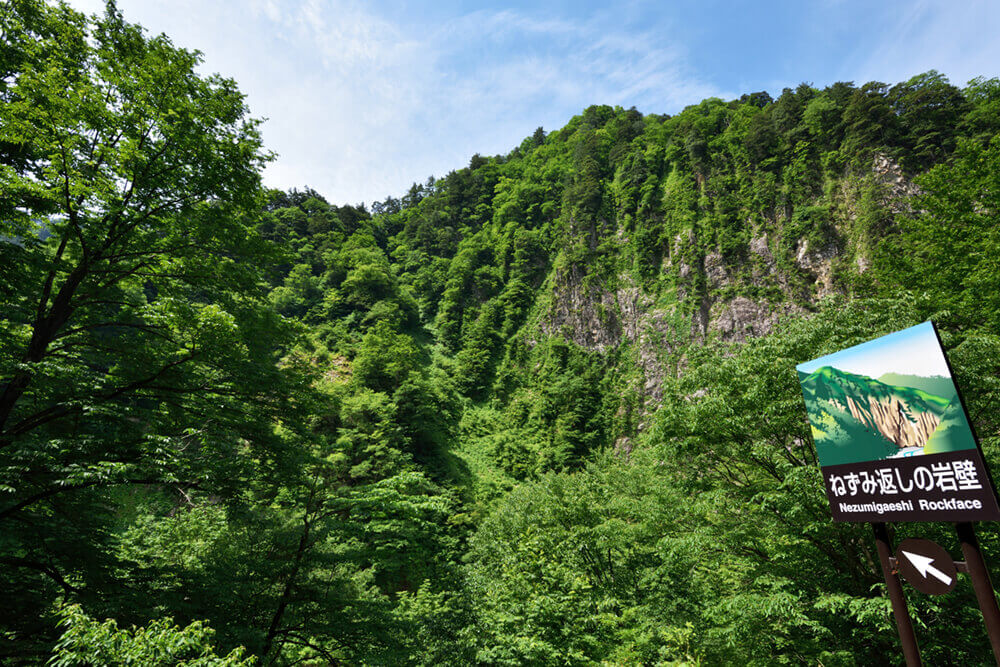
x: 542, y: 409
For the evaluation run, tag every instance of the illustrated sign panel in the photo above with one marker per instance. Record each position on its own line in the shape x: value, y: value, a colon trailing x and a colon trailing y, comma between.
x: 891, y: 433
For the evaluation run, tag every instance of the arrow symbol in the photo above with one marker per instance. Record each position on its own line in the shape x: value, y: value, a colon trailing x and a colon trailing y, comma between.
x: 924, y: 567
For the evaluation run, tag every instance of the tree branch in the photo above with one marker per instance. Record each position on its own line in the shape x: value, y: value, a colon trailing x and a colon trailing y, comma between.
x: 56, y: 490
x: 47, y: 570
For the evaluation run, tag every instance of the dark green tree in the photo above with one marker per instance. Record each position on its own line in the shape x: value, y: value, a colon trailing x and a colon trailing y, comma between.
x: 136, y: 350
x: 928, y: 109
x: 869, y: 120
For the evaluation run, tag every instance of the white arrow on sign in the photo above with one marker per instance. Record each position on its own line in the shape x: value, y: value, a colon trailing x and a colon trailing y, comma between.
x: 924, y: 567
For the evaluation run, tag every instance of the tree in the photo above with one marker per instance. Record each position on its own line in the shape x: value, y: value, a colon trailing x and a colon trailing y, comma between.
x: 136, y: 347
x: 929, y: 109
x: 822, y: 117
x: 949, y: 246
x: 982, y: 121
x: 88, y: 642
x: 140, y: 166
x: 762, y: 138
x: 869, y: 120
x: 584, y: 568
x: 538, y: 137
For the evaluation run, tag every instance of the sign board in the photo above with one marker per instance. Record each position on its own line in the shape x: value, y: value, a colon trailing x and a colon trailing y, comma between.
x: 926, y: 565
x: 891, y: 433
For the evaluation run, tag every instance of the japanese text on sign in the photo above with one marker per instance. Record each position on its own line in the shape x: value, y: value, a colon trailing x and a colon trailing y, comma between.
x: 944, y: 476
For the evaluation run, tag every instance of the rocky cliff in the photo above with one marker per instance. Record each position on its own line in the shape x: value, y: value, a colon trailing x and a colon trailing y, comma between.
x: 735, y: 296
x: 855, y: 417
x: 899, y: 422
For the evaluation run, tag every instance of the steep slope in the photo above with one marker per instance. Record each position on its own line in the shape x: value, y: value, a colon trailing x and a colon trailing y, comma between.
x: 953, y: 433
x: 859, y: 415
x: 634, y: 237
x: 610, y: 287
x: 515, y: 327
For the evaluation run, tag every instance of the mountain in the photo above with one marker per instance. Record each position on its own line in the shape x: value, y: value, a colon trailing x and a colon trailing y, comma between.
x: 536, y: 411
x: 953, y: 433
x: 935, y: 384
x: 855, y: 417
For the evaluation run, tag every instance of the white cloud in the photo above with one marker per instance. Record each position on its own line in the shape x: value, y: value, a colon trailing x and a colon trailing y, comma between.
x: 360, y: 106
x: 956, y: 38
x: 362, y: 103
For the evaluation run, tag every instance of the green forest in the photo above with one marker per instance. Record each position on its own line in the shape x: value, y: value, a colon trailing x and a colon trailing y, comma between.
x: 540, y: 410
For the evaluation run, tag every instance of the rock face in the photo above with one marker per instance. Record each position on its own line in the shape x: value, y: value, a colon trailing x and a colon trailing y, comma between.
x: 818, y: 263
x: 714, y: 297
x: 858, y: 418
x: 600, y: 320
x: 585, y: 313
x: 897, y: 188
x: 741, y: 318
x: 896, y: 420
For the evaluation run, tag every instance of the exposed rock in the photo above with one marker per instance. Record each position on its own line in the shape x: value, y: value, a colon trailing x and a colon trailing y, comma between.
x: 715, y: 270
x: 699, y: 321
x: 632, y: 304
x: 653, y: 348
x: 600, y: 319
x: 741, y: 318
x: 898, y: 189
x: 585, y: 314
x: 681, y: 240
x: 762, y: 264
x: 818, y: 263
x: 759, y: 247
x: 701, y: 297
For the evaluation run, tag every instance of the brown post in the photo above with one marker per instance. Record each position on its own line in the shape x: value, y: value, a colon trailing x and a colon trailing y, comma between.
x: 981, y: 584
x: 899, y: 609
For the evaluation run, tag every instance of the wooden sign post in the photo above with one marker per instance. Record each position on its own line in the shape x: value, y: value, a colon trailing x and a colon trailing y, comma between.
x: 900, y: 611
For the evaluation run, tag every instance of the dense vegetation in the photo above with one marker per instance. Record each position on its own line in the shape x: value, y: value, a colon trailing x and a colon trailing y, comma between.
x: 542, y: 410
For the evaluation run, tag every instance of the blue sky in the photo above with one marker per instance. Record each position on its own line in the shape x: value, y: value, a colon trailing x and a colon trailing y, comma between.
x: 363, y: 99
x: 912, y: 351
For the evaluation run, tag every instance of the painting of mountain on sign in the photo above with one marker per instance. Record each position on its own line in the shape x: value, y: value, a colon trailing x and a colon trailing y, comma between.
x: 887, y: 398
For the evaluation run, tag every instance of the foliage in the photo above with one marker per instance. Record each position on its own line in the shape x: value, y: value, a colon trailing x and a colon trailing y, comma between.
x: 89, y: 642
x: 137, y: 351
x: 577, y: 568
x: 517, y: 415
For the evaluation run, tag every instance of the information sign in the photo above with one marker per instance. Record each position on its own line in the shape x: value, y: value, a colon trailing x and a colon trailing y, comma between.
x: 892, y: 435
